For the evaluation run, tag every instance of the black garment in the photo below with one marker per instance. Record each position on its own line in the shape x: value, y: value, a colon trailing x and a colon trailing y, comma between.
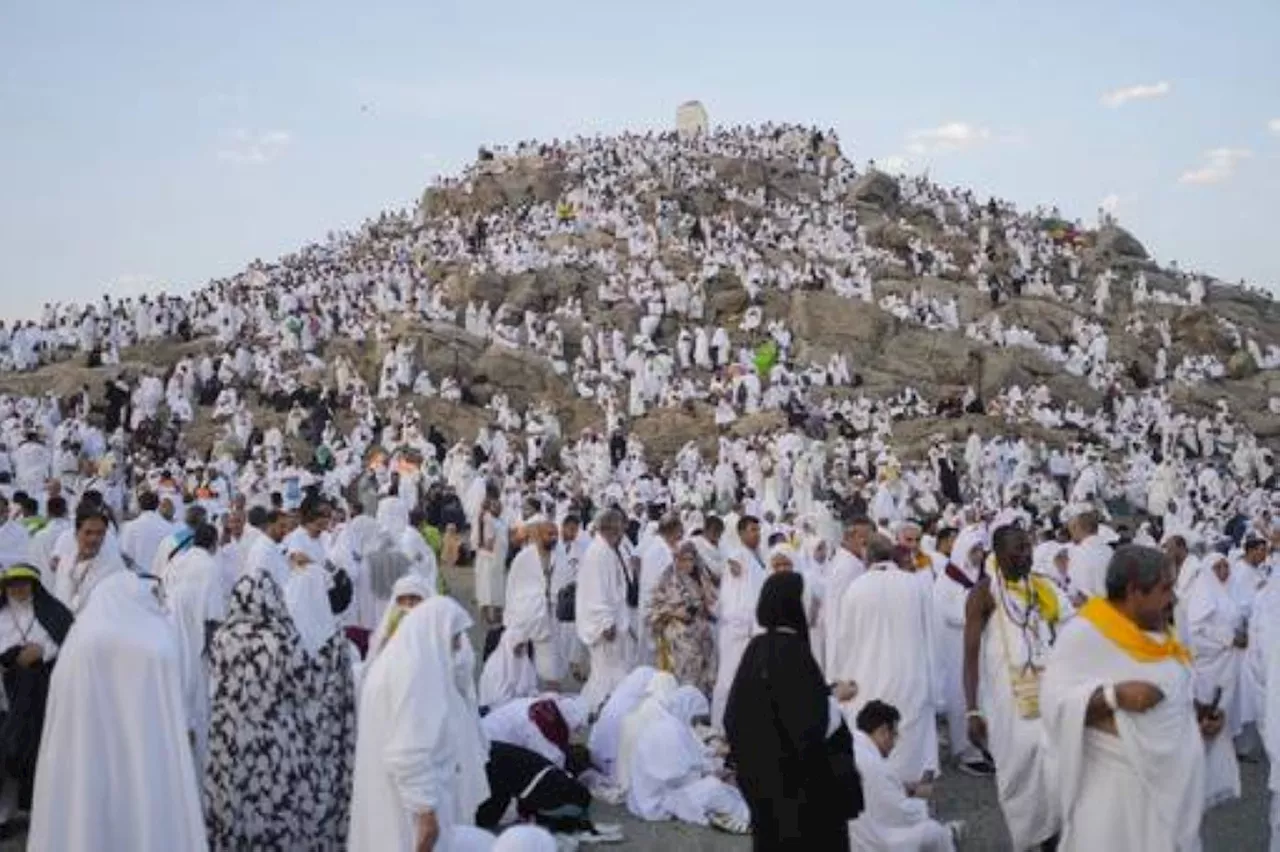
x: 27, y: 690
x: 801, y: 787
x: 557, y: 801
x: 949, y: 481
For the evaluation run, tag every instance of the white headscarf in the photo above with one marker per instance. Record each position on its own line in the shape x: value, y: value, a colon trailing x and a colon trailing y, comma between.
x: 115, y: 699
x: 307, y: 596
x: 605, y: 736
x: 409, y: 584
x: 425, y: 675
x: 686, y: 704
x: 966, y: 541
x: 661, y: 686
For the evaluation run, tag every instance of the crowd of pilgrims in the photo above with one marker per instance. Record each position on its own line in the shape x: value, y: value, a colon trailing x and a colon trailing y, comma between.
x: 745, y: 629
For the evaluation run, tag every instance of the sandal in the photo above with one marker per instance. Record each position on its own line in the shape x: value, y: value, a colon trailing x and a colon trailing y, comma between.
x: 729, y: 825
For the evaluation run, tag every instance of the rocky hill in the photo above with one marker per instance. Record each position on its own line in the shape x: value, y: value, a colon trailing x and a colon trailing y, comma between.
x: 887, y: 353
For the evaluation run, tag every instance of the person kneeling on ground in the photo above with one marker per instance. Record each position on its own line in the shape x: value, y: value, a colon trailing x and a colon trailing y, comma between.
x: 895, y: 817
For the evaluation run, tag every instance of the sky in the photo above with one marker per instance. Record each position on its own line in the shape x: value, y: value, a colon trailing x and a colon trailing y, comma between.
x: 156, y: 144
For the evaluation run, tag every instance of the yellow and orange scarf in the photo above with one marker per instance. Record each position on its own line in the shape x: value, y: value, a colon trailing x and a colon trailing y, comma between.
x: 1042, y: 588
x: 1130, y: 638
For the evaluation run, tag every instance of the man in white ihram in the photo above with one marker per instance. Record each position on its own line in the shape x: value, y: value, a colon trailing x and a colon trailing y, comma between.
x: 603, y: 618
x: 1118, y: 705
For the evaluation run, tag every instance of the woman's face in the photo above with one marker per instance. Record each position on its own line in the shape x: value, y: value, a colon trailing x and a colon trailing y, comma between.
x: 820, y: 553
x: 408, y: 602
x: 780, y: 563
x: 685, y: 561
x: 1222, y: 569
x: 19, y: 591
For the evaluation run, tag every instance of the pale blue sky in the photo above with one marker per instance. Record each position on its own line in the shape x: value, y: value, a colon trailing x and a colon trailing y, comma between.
x: 160, y: 142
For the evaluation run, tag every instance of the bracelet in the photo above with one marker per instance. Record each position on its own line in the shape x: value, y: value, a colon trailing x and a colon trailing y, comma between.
x: 1109, y: 696
x: 974, y: 714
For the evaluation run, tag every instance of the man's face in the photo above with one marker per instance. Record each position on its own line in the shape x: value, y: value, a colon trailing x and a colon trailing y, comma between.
x: 569, y: 530
x: 547, y: 536
x: 885, y: 737
x: 1176, y: 549
x: 1153, y: 609
x: 857, y: 538
x: 1015, y: 561
x: 166, y: 509
x: 318, y: 524
x: 910, y: 539
x: 1255, y: 556
x: 235, y: 524
x: 751, y: 536
x: 90, y: 535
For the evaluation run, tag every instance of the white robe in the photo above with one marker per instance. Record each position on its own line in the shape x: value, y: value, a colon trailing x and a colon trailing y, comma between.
x: 419, y: 744
x: 737, y: 618
x: 75, y: 582
x: 1143, y: 790
x: 194, y: 591
x: 601, y: 603
x: 115, y: 702
x: 844, y: 568
x: 886, y: 625
x: 949, y: 601
x: 1264, y: 665
x: 891, y: 821
x: 1026, y: 777
x: 606, y: 735
x: 671, y: 771
x: 657, y: 557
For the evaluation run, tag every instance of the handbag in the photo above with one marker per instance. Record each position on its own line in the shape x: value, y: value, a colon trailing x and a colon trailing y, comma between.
x: 566, y: 603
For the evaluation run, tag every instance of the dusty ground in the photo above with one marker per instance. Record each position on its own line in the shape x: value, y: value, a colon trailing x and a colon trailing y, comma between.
x: 1240, y: 825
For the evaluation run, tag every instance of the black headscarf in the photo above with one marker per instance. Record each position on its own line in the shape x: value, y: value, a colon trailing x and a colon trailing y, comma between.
x: 800, y: 785
x: 781, y: 605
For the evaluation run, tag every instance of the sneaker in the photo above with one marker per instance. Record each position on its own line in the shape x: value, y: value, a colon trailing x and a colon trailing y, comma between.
x: 959, y: 830
x: 566, y: 843
x: 607, y: 829
x: 977, y: 769
x: 596, y: 838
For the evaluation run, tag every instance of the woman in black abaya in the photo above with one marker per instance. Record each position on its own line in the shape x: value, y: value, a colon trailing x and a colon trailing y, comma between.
x: 33, y: 625
x: 793, y: 753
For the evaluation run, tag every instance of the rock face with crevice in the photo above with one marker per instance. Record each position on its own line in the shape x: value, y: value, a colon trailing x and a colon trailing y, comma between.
x: 886, y: 353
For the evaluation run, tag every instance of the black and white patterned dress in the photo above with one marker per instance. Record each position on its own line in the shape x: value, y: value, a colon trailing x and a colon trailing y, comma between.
x: 330, y: 729
x: 260, y: 783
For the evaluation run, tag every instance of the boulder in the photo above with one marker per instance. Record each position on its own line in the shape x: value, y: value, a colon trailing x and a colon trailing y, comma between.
x: 1117, y: 242
x: 876, y: 187
x: 1241, y: 365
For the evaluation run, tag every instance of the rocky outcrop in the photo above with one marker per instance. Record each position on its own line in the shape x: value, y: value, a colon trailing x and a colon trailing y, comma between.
x: 876, y: 188
x: 1117, y: 242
